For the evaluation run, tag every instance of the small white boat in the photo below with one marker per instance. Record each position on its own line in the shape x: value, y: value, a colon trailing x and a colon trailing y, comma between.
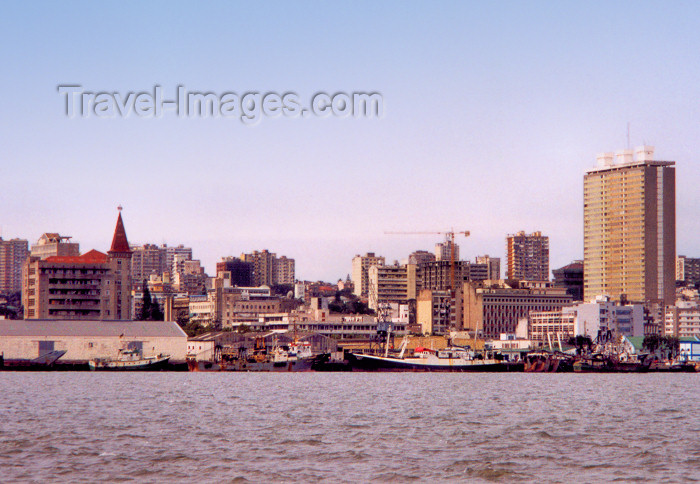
x: 130, y: 360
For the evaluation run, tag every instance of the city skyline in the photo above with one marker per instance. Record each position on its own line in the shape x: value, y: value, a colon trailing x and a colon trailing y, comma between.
x: 492, y: 116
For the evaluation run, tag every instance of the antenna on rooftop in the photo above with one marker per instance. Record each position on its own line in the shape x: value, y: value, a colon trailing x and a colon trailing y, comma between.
x: 628, y: 136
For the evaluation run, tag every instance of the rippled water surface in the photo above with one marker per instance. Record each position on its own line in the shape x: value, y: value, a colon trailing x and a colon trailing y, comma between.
x: 348, y: 427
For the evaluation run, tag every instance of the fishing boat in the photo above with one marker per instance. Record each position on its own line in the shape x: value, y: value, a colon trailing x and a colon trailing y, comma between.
x: 130, y: 360
x: 600, y: 363
x: 452, y: 358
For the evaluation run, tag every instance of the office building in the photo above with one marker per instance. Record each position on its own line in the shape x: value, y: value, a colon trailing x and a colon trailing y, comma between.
x: 496, y: 308
x: 528, y: 256
x: 629, y: 228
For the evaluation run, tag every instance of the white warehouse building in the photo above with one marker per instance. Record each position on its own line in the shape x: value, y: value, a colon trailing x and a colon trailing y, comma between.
x: 86, y: 340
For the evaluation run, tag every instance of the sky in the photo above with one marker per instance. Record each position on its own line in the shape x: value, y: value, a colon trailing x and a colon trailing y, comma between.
x: 492, y: 112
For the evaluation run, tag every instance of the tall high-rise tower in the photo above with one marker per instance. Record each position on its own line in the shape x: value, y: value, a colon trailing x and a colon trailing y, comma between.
x: 528, y: 256
x: 629, y: 227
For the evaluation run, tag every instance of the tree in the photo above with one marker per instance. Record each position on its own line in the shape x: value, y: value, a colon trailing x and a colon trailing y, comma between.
x: 652, y: 342
x: 156, y: 312
x: 146, y: 307
x: 672, y: 345
x: 150, y: 310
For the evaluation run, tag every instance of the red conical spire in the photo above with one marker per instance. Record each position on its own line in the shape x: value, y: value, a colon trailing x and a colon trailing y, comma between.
x: 119, y: 241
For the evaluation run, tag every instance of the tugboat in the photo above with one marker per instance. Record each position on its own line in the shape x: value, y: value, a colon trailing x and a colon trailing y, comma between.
x: 130, y: 360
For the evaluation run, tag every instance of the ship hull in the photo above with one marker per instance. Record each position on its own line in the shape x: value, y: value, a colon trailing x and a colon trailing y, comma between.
x: 151, y: 364
x: 378, y: 363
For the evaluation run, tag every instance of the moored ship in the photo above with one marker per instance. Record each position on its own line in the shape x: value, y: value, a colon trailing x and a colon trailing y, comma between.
x: 450, y: 359
x: 130, y: 360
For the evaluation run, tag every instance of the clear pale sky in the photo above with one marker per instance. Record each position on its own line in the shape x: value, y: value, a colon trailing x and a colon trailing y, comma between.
x: 493, y: 111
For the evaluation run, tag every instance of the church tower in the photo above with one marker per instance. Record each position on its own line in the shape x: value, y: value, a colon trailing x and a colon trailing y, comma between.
x: 120, y: 261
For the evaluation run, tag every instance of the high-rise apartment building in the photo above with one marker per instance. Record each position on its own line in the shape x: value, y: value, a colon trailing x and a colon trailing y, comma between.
x: 528, y: 256
x: 629, y: 228
x: 688, y: 270
x: 13, y: 253
x: 284, y: 270
x: 360, y: 275
x: 391, y: 284
x: 146, y: 260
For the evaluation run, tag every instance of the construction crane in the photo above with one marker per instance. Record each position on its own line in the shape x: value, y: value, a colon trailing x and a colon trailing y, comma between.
x: 450, y: 237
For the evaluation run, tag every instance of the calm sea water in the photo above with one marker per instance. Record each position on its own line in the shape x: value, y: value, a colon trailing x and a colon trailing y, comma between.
x: 349, y: 427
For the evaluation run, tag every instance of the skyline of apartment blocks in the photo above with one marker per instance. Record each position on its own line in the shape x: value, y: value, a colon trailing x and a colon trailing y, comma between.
x: 630, y: 228
x: 360, y: 272
x: 150, y: 259
x: 92, y: 286
x: 527, y: 256
x: 268, y: 269
x: 688, y: 270
x: 54, y: 244
x: 391, y: 284
x: 13, y: 253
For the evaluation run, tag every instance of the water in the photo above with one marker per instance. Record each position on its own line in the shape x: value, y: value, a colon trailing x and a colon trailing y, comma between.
x: 348, y: 427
